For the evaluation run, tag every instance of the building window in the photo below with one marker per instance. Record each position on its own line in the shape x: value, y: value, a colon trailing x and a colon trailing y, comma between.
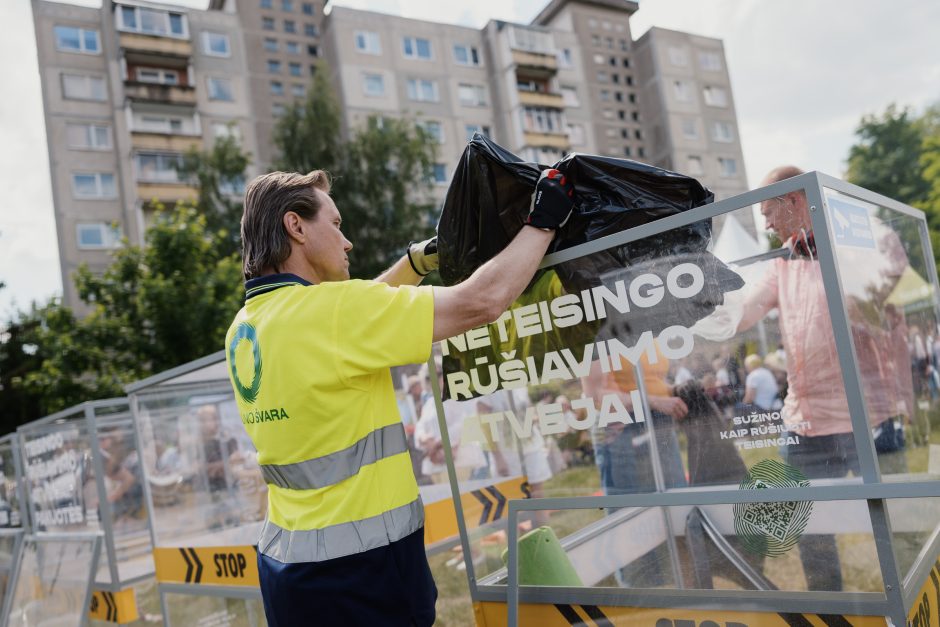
x: 297, y: 90
x: 635, y: 116
x: 576, y: 134
x: 471, y: 95
x: 570, y: 95
x: 466, y: 55
x: 613, y: 62
x: 615, y: 77
x: 641, y: 152
x: 595, y: 40
x: 234, y: 186
x: 599, y: 59
x: 277, y: 109
x: 422, y: 90
x: 152, y: 22
x: 626, y: 62
x: 608, y: 114
x: 83, y: 87
x: 97, y: 236
x: 638, y: 134
x: 312, y: 51
x: 266, y: 4
x: 157, y: 76
x: 368, y: 42
x: 434, y: 130
x: 274, y: 66
x: 310, y: 30
x: 220, y: 89
x: 710, y: 61
x: 715, y: 96
x: 622, y: 114
x: 294, y: 69
x: 540, y: 120
x: 602, y: 77
x: 565, y: 59
x: 74, y: 39
x: 277, y: 88
x: 290, y: 26
x: 88, y: 136
x: 678, y: 56
x: 308, y: 8
x: 270, y: 45
x: 292, y: 47
x: 416, y: 48
x: 682, y: 91
x: 225, y: 129
x: 287, y: 5
x: 166, y: 124
x: 215, y: 44
x: 694, y: 166
x: 727, y: 166
x: 267, y: 23
x: 624, y: 45
x: 439, y: 174
x: 373, y: 85
x: 93, y: 185
x: 472, y: 129
x: 632, y: 98
x: 689, y: 128
x: 722, y: 132
x: 618, y: 96
x: 158, y: 167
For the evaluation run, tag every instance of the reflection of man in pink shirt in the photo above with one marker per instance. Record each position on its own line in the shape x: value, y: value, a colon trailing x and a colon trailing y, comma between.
x: 815, y: 407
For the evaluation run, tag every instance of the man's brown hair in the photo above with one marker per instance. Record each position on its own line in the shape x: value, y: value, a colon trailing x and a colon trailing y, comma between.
x: 265, y: 244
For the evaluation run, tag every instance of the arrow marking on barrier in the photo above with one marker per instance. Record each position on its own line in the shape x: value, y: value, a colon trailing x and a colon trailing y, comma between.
x: 112, y: 610
x: 189, y: 566
x: 487, y: 506
x: 193, y: 563
x: 594, y: 613
x: 196, y: 559
x: 500, y: 501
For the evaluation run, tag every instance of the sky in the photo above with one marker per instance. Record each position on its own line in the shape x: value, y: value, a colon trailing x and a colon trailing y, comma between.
x: 803, y: 74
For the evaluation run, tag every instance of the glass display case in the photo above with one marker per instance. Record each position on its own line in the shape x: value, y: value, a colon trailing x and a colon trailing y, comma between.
x: 725, y: 410
x: 205, y: 493
x: 11, y: 515
x: 82, y: 474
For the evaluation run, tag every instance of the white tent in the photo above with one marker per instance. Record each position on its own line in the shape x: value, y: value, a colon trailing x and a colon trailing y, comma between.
x: 734, y: 242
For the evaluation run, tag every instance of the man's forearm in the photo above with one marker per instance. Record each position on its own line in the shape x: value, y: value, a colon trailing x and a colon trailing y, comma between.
x: 401, y: 273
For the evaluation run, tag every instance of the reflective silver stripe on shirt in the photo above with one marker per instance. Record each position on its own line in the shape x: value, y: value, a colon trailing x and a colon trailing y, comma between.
x: 317, y: 545
x: 320, y: 472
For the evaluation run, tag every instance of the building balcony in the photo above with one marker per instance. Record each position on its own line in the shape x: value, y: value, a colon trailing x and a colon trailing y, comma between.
x: 535, y: 63
x: 541, y: 99
x: 164, y: 142
x: 547, y: 140
x: 167, y: 193
x: 154, y: 44
x: 154, y: 92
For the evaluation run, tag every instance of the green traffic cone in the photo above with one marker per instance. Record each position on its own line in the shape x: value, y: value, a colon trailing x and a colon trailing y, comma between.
x: 542, y: 561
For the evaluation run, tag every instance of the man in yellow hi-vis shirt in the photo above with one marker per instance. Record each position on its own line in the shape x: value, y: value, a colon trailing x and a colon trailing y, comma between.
x: 309, y: 357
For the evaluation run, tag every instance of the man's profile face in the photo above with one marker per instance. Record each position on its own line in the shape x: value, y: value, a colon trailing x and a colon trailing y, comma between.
x: 786, y: 215
x: 327, y: 249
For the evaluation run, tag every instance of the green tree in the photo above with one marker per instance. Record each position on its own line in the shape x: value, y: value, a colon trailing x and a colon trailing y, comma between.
x: 155, y: 307
x: 18, y: 357
x: 219, y: 175
x: 381, y: 174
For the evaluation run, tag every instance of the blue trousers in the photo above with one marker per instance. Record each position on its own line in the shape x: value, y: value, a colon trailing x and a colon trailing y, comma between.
x: 389, y: 585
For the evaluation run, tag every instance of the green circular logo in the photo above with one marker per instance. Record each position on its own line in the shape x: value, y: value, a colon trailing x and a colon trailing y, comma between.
x: 772, y: 529
x: 246, y: 332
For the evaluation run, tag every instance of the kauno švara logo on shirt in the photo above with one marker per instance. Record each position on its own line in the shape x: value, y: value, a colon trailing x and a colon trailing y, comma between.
x: 246, y: 332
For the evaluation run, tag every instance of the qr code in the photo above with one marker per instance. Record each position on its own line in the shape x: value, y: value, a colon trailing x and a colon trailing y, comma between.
x: 773, y: 519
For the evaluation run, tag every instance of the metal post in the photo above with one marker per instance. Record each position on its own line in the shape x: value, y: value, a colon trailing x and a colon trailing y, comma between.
x: 104, y: 504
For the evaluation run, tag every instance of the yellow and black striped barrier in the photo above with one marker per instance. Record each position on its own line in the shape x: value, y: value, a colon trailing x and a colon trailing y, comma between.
x: 481, y: 506
x: 114, y: 607
x: 213, y: 565
x: 489, y: 614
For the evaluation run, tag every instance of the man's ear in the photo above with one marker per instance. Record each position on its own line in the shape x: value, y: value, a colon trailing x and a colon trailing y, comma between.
x: 294, y: 226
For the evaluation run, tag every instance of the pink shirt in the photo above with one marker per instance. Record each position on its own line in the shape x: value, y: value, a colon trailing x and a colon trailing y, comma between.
x: 816, y: 403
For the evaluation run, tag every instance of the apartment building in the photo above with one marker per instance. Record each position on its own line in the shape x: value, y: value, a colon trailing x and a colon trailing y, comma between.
x: 129, y: 87
x: 127, y: 90
x: 283, y: 40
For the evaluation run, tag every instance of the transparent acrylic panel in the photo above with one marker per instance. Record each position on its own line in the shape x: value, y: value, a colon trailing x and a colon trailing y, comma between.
x: 684, y: 359
x: 205, y: 611
x: 124, y: 483
x: 61, y: 484
x: 797, y: 546
x: 11, y: 514
x: 200, y: 466
x: 887, y: 277
x: 915, y: 526
x: 9, y: 539
x: 53, y: 583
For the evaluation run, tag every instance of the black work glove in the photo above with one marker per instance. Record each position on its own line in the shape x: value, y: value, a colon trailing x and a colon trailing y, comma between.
x: 423, y: 256
x: 552, y: 201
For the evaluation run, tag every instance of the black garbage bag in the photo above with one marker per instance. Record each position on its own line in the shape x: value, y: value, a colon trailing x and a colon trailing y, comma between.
x: 488, y: 201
